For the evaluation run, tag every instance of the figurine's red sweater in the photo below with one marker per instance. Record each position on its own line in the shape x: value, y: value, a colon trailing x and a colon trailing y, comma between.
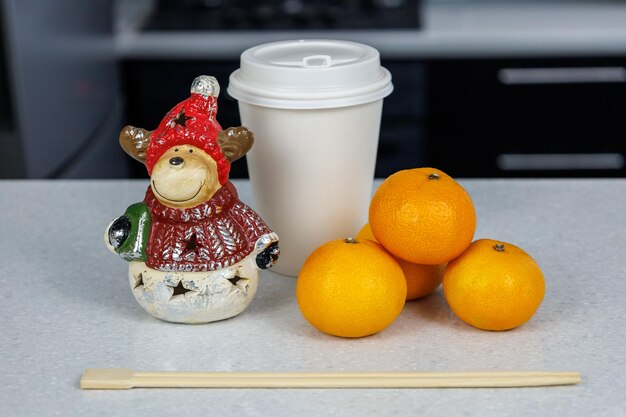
x: 213, y: 235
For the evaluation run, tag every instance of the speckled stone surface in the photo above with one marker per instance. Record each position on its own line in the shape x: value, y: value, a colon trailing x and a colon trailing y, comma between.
x: 66, y: 306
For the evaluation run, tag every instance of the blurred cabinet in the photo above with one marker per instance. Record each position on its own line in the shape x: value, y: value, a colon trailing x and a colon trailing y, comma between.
x: 472, y: 118
x: 527, y: 117
x: 60, y: 100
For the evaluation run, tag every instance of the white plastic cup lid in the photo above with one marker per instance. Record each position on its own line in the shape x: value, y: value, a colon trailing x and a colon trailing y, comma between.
x: 310, y: 74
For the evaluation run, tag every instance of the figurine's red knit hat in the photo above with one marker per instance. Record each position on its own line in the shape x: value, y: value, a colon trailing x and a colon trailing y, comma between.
x: 191, y: 122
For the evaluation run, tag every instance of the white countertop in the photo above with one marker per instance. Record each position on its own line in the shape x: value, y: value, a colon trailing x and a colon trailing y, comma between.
x: 66, y: 306
x: 450, y: 29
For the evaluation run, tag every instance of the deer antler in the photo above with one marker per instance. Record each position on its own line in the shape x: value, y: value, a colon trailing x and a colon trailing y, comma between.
x: 135, y: 141
x: 235, y: 142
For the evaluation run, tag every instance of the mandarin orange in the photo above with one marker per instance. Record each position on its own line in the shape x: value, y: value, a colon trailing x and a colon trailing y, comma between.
x: 422, y: 216
x: 350, y: 288
x: 493, y: 285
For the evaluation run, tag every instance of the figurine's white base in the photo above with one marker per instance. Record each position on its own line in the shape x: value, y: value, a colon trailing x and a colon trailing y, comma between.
x: 195, y: 297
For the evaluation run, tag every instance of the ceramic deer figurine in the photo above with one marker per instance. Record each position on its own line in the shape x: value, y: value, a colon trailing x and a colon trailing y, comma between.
x: 194, y: 249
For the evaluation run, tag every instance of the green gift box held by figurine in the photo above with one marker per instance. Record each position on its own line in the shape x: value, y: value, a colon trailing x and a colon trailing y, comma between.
x: 194, y: 249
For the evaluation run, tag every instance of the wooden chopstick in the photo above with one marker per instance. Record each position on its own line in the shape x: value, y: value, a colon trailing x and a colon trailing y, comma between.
x: 114, y: 378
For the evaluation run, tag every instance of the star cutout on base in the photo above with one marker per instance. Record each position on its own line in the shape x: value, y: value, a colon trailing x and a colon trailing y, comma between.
x: 234, y: 279
x: 181, y: 119
x: 180, y: 290
x: 239, y: 284
x: 138, y: 281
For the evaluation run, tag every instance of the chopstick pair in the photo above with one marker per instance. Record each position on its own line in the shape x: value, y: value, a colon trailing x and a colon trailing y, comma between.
x: 115, y: 378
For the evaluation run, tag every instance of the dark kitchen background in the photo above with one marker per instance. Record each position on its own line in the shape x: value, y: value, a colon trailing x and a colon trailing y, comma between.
x: 490, y: 88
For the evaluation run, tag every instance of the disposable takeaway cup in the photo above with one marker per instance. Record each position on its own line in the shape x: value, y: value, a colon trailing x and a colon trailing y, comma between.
x: 315, y: 109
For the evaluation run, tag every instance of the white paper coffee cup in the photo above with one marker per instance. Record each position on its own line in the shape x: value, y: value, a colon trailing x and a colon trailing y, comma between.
x: 315, y: 108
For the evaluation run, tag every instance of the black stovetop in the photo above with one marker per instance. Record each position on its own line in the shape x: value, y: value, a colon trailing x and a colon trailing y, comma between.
x: 228, y: 15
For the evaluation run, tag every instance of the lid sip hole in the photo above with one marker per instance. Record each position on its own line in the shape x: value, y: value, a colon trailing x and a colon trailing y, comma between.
x: 317, y: 61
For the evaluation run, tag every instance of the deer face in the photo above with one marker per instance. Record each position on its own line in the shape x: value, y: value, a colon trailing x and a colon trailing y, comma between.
x: 184, y: 176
